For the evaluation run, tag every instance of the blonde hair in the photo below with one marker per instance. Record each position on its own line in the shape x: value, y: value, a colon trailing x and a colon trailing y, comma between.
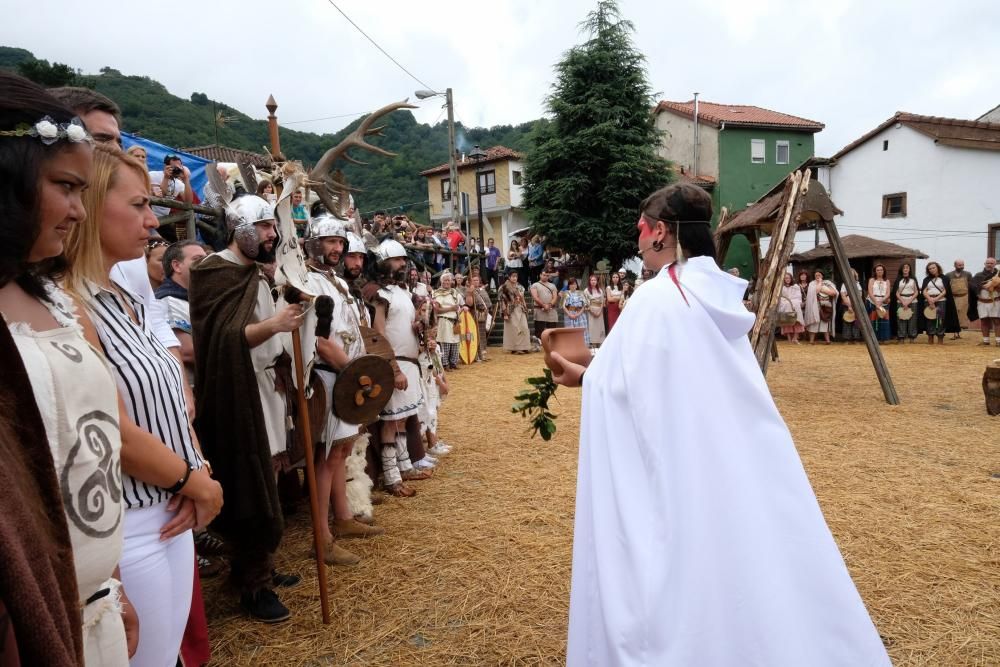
x: 83, y: 245
x: 133, y: 151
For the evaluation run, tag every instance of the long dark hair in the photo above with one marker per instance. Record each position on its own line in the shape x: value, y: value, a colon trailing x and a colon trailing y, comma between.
x: 682, y: 207
x: 900, y: 276
x: 21, y: 160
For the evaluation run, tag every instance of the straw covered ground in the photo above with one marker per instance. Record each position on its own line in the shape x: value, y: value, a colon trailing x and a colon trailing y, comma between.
x: 475, y: 569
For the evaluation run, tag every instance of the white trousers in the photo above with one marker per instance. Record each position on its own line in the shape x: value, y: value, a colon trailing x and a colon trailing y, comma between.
x: 158, y: 577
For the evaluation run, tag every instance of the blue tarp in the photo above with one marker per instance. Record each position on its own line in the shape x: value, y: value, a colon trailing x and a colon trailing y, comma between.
x: 156, y: 152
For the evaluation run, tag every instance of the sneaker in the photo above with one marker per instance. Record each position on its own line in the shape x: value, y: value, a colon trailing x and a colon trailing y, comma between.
x: 279, y: 580
x: 439, y: 450
x: 208, y: 568
x: 264, y: 606
x: 432, y: 459
x: 207, y: 544
x: 423, y: 464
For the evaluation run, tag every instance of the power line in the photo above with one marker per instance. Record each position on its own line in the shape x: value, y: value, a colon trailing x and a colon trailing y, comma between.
x: 375, y: 44
x: 396, y: 206
x: 313, y: 120
x: 907, y: 230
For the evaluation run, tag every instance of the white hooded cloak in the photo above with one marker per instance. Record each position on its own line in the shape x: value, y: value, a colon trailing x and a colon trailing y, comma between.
x: 698, y: 538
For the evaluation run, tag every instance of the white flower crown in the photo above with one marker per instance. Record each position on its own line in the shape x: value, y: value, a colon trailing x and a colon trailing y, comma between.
x: 49, y: 132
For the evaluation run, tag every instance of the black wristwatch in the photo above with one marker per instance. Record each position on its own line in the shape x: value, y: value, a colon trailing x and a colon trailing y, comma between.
x: 182, y: 481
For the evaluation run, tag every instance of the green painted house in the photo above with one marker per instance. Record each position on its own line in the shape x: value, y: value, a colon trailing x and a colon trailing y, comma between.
x: 743, y: 151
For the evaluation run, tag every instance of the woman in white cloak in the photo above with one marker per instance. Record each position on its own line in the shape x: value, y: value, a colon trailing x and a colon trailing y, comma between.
x: 698, y: 539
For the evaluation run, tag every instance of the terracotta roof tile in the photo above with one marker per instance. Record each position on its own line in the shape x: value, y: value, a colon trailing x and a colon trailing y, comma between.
x: 947, y: 131
x: 493, y: 154
x: 226, y: 154
x: 739, y: 114
x: 702, y: 180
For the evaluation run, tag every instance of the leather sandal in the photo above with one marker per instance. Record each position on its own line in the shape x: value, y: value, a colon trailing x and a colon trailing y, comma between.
x: 400, y: 490
x: 415, y: 475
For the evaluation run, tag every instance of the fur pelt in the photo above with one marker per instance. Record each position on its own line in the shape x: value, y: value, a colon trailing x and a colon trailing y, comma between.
x: 359, y: 484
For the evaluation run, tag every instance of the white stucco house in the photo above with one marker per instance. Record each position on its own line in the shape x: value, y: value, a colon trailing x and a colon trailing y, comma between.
x: 923, y: 182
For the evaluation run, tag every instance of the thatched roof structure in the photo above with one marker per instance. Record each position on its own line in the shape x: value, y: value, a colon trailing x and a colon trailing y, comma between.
x: 817, y: 207
x: 858, y: 247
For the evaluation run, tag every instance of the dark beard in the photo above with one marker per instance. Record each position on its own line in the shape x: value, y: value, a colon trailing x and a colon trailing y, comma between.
x: 352, y: 275
x: 265, y: 256
x: 399, y: 277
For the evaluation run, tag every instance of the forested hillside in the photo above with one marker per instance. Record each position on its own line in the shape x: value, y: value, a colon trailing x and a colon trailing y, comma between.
x: 150, y: 110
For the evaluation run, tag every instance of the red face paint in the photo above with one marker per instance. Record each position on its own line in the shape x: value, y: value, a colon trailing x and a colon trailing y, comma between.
x: 646, y: 227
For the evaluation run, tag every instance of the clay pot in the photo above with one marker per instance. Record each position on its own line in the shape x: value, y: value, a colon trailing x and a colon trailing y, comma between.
x: 991, y: 387
x: 567, y: 341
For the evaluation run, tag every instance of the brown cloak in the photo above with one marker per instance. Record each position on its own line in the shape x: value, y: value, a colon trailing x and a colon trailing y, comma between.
x: 230, y: 421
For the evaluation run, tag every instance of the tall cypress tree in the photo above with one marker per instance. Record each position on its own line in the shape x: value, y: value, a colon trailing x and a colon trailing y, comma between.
x: 596, y: 161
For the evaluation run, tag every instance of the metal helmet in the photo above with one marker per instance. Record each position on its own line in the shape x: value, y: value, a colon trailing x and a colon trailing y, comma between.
x: 249, y: 210
x: 325, y: 226
x: 389, y: 249
x: 355, y: 244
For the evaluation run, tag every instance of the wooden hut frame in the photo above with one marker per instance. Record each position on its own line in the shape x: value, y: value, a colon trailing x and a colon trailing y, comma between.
x: 802, y: 204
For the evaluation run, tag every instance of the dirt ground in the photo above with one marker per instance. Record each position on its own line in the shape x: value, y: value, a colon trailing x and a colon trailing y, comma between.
x: 475, y: 569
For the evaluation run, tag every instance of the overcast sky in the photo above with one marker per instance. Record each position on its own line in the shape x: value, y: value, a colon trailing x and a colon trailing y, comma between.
x: 847, y: 63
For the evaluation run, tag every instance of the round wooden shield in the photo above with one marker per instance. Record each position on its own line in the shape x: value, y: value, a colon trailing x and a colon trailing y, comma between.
x: 362, y: 389
x: 468, y: 338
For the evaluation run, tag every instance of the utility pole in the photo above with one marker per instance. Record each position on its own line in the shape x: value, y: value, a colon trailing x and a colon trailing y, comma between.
x: 452, y: 160
x: 696, y: 137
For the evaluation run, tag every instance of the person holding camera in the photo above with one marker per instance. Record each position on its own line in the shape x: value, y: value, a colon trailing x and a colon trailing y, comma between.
x: 174, y: 182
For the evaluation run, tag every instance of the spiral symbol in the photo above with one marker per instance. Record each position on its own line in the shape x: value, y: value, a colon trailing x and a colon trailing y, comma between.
x: 69, y: 351
x: 91, y: 478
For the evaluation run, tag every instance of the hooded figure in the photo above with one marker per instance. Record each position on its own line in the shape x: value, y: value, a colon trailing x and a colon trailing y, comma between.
x: 698, y: 539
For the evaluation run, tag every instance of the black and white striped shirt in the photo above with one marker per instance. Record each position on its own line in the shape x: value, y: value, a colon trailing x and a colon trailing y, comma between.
x: 149, y: 381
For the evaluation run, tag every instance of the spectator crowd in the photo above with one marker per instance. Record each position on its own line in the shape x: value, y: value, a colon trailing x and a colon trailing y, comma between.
x: 899, y: 309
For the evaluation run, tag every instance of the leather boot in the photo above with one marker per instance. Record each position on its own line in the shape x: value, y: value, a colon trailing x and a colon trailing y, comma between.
x: 350, y: 528
x: 333, y: 554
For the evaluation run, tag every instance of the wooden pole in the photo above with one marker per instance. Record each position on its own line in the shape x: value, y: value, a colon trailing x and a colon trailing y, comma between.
x: 778, y: 253
x: 874, y: 351
x: 272, y: 130
x: 304, y: 425
x: 305, y: 432
x: 723, y: 238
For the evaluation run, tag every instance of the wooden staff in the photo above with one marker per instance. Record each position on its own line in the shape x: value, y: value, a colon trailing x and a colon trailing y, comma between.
x: 857, y: 303
x: 304, y: 426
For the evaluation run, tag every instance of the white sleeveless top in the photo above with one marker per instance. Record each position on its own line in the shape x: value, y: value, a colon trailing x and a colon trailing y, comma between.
x: 399, y: 321
x: 85, y: 440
